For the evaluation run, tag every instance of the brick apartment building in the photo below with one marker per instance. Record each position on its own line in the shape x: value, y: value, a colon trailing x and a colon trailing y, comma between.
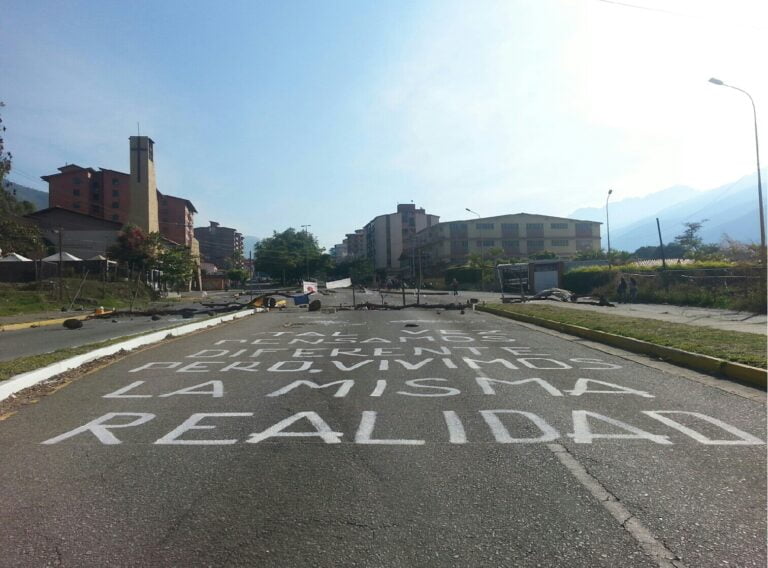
x: 219, y: 245
x: 100, y: 193
x: 177, y: 219
x: 123, y: 198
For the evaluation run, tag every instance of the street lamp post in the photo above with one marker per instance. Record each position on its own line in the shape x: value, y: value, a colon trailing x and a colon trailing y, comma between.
x: 757, y: 152
x: 608, y: 226
x: 482, y: 272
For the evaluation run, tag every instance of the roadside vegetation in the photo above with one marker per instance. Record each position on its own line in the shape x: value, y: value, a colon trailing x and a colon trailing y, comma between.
x: 746, y: 348
x: 31, y: 297
x: 9, y: 369
x: 15, y: 367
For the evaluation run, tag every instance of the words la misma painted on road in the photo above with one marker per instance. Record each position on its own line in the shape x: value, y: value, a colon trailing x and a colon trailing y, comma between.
x: 302, y: 359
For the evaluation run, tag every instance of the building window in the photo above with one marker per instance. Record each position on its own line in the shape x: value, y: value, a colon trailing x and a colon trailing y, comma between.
x: 458, y: 230
x: 534, y: 229
x: 115, y: 181
x: 583, y: 229
x: 77, y: 181
x: 583, y: 244
x: 75, y: 192
x: 115, y: 217
x: 559, y: 242
x: 510, y: 229
x: 514, y: 245
x: 115, y: 193
x: 115, y: 205
x: 484, y: 226
x: 76, y: 205
x: 535, y: 246
x: 559, y: 226
x: 486, y: 243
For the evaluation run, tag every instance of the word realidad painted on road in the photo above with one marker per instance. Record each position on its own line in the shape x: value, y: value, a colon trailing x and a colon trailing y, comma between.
x: 497, y: 421
x: 415, y: 365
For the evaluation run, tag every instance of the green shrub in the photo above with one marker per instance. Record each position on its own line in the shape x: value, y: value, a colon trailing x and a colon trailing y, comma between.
x: 710, y: 284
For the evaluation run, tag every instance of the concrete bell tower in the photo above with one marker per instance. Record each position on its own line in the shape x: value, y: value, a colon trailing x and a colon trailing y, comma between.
x: 143, y: 211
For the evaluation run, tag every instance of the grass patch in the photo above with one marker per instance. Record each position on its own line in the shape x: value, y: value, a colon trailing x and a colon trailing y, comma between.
x: 9, y: 369
x: 746, y: 348
x: 31, y: 297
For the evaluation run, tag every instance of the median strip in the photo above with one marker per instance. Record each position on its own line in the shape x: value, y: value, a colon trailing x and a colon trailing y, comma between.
x: 736, y: 355
x: 57, y: 365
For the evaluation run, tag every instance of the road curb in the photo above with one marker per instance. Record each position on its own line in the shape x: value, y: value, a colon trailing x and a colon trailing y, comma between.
x: 745, y: 373
x: 30, y: 378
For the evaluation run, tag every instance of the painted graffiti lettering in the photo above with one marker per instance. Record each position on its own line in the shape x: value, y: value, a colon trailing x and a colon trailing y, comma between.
x: 502, y: 423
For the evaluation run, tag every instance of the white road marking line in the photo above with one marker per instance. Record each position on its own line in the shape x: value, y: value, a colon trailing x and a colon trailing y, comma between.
x: 664, y: 557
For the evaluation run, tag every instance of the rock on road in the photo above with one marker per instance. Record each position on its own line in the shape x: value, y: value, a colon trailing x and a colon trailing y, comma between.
x: 384, y: 438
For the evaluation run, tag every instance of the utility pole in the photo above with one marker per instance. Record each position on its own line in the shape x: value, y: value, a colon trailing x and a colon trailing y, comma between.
x: 661, y: 245
x: 608, y: 226
x: 250, y: 271
x: 306, y: 250
x: 418, y: 282
x: 61, y: 268
x: 482, y: 261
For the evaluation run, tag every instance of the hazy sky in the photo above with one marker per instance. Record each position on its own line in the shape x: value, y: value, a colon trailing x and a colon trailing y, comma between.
x: 275, y: 114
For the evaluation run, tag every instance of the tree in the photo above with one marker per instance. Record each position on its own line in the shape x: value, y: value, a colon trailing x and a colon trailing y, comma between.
x: 177, y: 266
x: 5, y: 157
x: 737, y: 251
x: 689, y: 239
x: 16, y: 234
x: 135, y: 248
x: 290, y: 255
x: 237, y: 275
x: 478, y: 261
x: 359, y: 269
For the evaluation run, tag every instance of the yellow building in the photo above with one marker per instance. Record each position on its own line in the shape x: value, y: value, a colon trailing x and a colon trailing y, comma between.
x: 517, y: 235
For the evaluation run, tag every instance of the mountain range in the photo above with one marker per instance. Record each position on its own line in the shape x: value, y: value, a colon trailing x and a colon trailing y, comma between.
x: 731, y: 209
x: 22, y: 193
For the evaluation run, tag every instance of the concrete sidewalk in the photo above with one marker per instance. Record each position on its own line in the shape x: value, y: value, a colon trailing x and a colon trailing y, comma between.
x: 708, y: 317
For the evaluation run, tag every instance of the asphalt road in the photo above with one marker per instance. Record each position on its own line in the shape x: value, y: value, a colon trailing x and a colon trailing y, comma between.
x: 45, y: 339
x: 438, y: 439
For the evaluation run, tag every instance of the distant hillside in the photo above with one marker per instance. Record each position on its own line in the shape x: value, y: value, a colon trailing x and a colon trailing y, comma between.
x: 730, y: 209
x: 627, y: 211
x: 22, y: 193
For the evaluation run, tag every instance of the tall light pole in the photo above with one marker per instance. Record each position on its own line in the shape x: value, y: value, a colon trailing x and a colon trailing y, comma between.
x: 482, y: 272
x: 481, y: 233
x: 608, y: 226
x: 306, y: 253
x: 757, y: 152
